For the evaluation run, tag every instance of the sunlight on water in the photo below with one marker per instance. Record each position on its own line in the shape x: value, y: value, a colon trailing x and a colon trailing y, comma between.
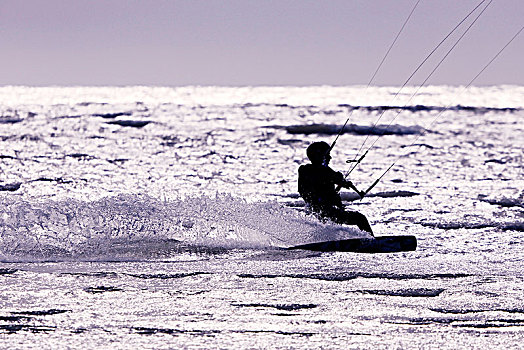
x: 154, y: 217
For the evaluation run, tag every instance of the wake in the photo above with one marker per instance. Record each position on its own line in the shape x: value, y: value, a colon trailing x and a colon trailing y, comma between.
x: 138, y: 224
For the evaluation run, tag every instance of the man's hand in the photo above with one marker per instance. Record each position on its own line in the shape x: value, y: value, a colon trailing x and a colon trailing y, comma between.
x: 349, y: 184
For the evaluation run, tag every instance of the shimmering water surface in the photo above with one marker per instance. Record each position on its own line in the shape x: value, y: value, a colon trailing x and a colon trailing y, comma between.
x: 156, y: 217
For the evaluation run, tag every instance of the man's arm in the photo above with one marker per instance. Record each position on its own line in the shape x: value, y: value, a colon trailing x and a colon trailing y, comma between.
x: 341, y: 181
x: 349, y: 184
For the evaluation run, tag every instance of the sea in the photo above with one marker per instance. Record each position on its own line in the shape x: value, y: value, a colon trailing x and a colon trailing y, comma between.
x: 159, y: 217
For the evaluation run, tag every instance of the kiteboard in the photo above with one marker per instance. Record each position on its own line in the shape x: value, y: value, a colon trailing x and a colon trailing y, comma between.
x: 383, y: 244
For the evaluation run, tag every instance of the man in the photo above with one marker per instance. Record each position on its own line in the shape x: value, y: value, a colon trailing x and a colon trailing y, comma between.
x: 316, y: 185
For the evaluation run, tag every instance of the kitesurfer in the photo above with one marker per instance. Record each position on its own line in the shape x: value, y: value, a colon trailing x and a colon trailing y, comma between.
x: 316, y: 185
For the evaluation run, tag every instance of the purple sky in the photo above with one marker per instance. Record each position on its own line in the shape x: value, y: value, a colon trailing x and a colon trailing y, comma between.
x: 250, y: 42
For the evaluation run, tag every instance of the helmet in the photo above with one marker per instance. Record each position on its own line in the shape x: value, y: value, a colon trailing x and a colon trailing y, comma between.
x: 317, y: 152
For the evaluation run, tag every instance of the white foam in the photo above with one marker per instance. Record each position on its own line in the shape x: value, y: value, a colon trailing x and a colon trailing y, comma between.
x: 76, y: 228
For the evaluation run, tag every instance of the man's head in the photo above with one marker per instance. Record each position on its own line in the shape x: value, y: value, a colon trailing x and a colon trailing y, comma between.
x: 318, y: 153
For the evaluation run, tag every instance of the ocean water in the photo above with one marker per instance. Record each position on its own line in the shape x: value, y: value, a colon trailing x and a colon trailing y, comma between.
x: 149, y: 217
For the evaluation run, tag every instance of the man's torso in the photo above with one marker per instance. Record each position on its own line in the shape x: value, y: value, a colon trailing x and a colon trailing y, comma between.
x: 316, y: 185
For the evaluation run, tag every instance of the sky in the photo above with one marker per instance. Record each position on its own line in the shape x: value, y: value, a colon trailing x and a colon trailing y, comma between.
x: 253, y: 42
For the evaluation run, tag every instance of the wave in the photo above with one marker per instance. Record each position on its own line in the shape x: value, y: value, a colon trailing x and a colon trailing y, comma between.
x: 342, y: 108
x: 142, y: 227
x: 424, y: 108
x: 504, y: 226
x: 112, y: 115
x: 11, y: 187
x: 347, y: 276
x: 10, y: 120
x: 417, y: 292
x: 504, y: 201
x: 130, y: 123
x: 334, y: 129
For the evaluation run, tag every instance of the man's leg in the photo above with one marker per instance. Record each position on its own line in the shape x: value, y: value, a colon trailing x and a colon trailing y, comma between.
x: 356, y: 218
x: 350, y: 218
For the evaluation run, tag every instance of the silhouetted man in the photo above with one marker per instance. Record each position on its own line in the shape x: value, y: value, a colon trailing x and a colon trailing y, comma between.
x: 316, y: 185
